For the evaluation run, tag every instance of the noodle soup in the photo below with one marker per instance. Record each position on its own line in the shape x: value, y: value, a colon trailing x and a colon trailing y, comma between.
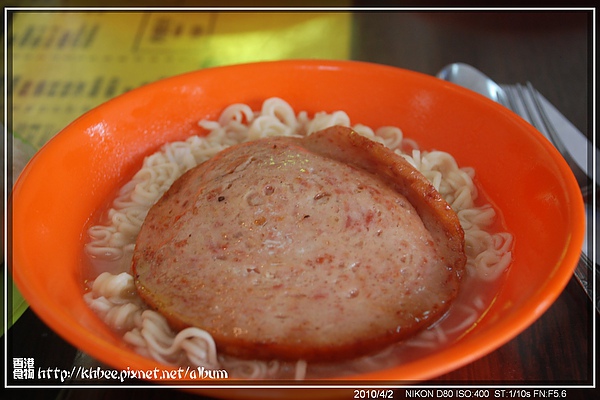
x: 112, y: 293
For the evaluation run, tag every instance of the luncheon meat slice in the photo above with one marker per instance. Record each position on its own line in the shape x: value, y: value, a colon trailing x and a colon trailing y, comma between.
x: 319, y: 248
x: 346, y: 146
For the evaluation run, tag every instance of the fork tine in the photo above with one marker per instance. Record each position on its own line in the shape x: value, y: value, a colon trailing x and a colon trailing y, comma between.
x: 581, y: 176
x: 512, y: 102
x: 529, y: 110
x: 545, y: 121
x: 525, y: 101
x: 518, y: 103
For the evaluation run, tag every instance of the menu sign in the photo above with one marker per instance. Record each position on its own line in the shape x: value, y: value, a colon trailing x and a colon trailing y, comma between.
x: 65, y: 63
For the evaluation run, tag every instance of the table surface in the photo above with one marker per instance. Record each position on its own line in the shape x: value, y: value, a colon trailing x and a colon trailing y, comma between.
x: 552, y: 50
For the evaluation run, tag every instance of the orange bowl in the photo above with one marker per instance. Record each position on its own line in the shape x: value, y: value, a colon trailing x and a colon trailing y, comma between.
x: 77, y: 172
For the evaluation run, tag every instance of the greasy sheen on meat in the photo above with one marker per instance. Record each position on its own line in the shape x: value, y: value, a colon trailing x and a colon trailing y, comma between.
x: 319, y: 248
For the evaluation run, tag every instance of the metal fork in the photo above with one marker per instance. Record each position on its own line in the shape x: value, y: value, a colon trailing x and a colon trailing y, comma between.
x: 525, y: 101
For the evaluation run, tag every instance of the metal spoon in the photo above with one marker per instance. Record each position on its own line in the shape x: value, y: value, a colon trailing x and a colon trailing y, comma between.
x: 572, y: 144
x: 469, y: 77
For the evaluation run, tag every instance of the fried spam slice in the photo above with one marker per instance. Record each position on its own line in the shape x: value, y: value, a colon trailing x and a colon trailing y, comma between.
x: 319, y: 248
